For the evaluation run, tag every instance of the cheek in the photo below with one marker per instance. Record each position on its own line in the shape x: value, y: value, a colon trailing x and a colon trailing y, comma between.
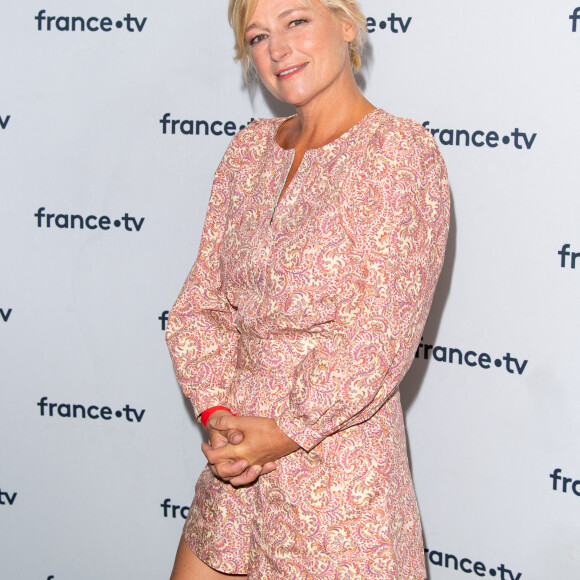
x: 261, y: 62
x: 310, y: 41
x: 324, y: 43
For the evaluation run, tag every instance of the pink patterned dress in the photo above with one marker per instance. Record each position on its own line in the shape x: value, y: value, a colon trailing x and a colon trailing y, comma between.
x: 310, y: 311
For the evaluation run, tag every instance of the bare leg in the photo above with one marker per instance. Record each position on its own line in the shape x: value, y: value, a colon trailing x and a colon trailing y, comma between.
x: 189, y: 567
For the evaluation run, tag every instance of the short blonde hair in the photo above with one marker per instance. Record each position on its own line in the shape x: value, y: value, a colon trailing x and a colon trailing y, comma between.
x: 240, y: 12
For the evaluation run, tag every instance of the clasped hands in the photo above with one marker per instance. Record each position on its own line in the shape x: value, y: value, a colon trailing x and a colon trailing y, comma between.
x: 240, y: 449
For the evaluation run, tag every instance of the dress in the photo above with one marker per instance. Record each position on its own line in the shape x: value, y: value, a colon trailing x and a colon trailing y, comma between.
x: 310, y: 311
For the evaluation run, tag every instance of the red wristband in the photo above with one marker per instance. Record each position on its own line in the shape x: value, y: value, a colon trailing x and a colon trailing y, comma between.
x: 205, y: 415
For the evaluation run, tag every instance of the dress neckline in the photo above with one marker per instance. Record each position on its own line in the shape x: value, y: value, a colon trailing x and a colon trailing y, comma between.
x: 331, y: 144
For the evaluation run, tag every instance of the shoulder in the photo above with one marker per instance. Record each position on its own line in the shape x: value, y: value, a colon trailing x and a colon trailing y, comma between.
x: 401, y: 176
x: 402, y: 140
x: 259, y: 133
x: 403, y: 161
x: 248, y: 145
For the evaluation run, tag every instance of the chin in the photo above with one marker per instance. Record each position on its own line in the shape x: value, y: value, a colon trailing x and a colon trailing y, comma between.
x: 294, y: 99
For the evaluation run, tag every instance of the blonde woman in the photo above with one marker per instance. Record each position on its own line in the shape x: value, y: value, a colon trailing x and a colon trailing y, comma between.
x: 321, y: 249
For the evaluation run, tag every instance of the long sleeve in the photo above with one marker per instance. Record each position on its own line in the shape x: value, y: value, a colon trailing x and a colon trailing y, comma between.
x: 200, y: 334
x: 395, y: 210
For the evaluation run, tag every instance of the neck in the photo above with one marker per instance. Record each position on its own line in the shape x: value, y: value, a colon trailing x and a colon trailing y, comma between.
x: 324, y: 119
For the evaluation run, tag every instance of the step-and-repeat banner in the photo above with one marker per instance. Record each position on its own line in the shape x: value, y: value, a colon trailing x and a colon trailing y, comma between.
x: 113, y: 118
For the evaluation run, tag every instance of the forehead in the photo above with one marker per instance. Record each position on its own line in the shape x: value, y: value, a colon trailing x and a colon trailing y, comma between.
x: 276, y: 9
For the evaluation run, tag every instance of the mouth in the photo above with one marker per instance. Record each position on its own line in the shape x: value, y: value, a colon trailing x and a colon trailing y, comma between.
x: 290, y: 71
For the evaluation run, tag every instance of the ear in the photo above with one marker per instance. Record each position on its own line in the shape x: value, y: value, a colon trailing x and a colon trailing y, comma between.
x: 349, y: 30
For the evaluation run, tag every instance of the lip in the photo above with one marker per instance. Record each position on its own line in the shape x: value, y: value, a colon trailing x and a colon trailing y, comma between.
x: 298, y: 67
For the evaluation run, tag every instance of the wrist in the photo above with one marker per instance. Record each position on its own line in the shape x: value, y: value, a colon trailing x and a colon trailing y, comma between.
x: 287, y: 444
x: 204, y: 417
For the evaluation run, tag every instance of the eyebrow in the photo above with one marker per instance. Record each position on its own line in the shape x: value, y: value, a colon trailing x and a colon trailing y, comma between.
x: 282, y: 14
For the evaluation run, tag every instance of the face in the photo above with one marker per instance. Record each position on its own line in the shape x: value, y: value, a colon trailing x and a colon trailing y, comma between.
x: 299, y: 51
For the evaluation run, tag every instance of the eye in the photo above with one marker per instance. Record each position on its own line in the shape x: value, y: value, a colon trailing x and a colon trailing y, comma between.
x: 297, y: 22
x: 256, y: 39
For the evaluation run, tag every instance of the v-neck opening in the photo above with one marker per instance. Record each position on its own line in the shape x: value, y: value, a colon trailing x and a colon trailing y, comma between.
x: 319, y: 155
x: 283, y: 189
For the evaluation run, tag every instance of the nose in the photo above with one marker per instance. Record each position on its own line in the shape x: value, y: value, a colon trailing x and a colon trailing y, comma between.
x: 279, y: 47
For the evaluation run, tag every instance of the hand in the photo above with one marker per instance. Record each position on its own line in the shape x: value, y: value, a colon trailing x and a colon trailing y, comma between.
x: 262, y: 444
x: 218, y: 439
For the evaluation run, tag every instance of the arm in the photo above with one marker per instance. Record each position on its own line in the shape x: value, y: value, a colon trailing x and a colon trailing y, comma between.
x: 200, y: 334
x: 395, y: 210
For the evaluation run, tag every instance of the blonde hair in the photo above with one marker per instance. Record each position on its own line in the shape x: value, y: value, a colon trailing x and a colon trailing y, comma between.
x: 240, y: 12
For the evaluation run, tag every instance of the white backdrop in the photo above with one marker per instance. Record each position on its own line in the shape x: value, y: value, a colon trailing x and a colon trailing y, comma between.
x: 100, y: 451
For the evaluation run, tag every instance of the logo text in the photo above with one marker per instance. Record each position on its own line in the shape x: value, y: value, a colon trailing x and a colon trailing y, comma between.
x: 393, y: 23
x: 574, y: 17
x: 192, y: 127
x: 77, y: 411
x: 92, y: 24
x: 471, y: 358
x: 9, y: 497
x: 172, y: 511
x: 564, y: 253
x: 91, y: 222
x: 464, y: 138
x: 566, y: 481
x: 468, y: 566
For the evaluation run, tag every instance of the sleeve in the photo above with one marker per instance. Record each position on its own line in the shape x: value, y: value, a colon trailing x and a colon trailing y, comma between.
x: 201, y: 336
x: 395, y: 210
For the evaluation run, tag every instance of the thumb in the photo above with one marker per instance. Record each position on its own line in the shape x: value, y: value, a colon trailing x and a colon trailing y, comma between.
x: 235, y: 437
x: 222, y: 422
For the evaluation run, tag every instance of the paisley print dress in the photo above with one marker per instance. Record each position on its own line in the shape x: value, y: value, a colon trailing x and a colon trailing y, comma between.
x: 309, y: 310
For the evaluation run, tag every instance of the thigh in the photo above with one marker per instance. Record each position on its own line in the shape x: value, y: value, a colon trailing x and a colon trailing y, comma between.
x: 189, y: 567
x: 218, y: 526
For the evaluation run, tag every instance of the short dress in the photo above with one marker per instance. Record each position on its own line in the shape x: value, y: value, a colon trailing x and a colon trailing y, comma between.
x: 308, y: 309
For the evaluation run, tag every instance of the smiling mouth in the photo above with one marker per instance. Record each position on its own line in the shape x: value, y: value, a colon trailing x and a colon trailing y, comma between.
x: 291, y: 70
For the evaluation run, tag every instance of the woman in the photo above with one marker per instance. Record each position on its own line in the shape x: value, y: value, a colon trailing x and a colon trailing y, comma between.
x: 322, y: 246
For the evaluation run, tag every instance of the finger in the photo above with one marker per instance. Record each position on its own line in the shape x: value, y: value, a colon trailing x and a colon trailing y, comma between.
x: 215, y: 454
x: 269, y: 467
x: 217, y: 475
x: 206, y: 447
x: 221, y: 454
x: 248, y: 476
x: 235, y: 437
x: 230, y: 469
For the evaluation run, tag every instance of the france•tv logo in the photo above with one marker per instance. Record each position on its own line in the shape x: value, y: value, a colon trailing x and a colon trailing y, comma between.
x: 574, y: 17
x: 4, y: 495
x: 566, y: 253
